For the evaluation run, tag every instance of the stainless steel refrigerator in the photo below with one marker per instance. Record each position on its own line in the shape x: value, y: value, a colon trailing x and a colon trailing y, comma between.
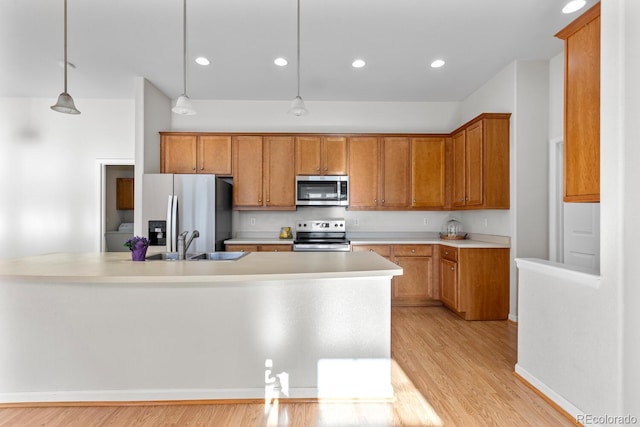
x: 174, y: 203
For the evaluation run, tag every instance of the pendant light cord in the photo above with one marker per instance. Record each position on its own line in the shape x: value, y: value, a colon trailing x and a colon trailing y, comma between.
x: 184, y: 46
x: 65, y: 46
x: 298, y: 51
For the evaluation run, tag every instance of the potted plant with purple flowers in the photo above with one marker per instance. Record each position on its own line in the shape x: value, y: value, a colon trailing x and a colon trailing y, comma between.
x: 138, y: 247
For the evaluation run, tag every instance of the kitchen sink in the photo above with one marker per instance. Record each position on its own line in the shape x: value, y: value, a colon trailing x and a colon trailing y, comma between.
x: 168, y: 256
x: 219, y: 256
x: 197, y: 256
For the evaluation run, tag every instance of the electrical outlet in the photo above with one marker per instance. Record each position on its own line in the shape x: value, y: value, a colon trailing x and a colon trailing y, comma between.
x: 425, y: 221
x: 253, y: 221
x: 356, y: 221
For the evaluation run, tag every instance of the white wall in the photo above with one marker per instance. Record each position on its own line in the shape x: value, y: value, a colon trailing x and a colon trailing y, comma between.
x: 620, y: 199
x: 271, y: 116
x: 49, y: 174
x: 152, y: 115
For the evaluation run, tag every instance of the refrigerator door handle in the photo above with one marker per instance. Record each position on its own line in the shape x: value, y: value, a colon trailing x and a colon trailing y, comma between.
x: 174, y: 224
x: 169, y: 225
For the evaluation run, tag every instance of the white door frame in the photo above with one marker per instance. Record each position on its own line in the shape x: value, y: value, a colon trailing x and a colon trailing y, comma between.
x: 556, y: 197
x: 101, y: 198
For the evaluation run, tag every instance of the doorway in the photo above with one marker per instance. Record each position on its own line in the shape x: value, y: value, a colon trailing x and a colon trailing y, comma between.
x: 116, y: 222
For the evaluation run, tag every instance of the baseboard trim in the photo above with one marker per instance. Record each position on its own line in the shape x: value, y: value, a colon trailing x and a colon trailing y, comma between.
x: 109, y: 403
x: 546, y: 398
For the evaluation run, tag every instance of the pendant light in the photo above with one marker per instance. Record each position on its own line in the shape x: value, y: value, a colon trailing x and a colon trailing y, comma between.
x: 297, y: 105
x: 65, y: 102
x: 183, y: 104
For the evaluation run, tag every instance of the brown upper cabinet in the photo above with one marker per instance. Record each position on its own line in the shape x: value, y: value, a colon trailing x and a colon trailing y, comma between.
x: 480, y: 163
x: 321, y: 155
x: 582, y: 107
x: 467, y: 169
x: 195, y: 153
x: 124, y: 193
x: 363, y: 172
x: 263, y: 173
x: 379, y: 172
x: 428, y: 160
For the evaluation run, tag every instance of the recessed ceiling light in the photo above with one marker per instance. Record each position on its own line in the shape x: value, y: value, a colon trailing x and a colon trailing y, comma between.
x: 573, y: 6
x: 280, y: 62
x: 358, y: 63
x: 437, y: 63
x: 202, y: 60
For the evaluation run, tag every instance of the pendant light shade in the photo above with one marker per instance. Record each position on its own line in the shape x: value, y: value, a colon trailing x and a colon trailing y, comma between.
x: 183, y: 104
x: 297, y: 105
x: 65, y: 102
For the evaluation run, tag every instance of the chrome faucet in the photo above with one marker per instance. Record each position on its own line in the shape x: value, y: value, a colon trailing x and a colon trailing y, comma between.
x: 183, y: 246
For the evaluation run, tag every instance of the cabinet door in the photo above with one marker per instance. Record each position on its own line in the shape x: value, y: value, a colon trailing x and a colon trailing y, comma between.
x: 124, y: 193
x: 307, y: 151
x: 413, y: 287
x: 428, y: 172
x: 279, y: 178
x: 396, y: 153
x: 334, y: 155
x: 449, y: 283
x: 214, y: 154
x: 363, y: 172
x: 582, y: 108
x: 474, y: 161
x: 178, y: 153
x: 459, y: 181
x: 247, y: 167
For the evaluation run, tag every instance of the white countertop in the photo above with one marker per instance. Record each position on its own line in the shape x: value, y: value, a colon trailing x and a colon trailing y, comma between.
x: 479, y: 241
x: 117, y: 267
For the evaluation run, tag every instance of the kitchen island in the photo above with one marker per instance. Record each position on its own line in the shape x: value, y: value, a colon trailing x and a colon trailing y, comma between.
x: 100, y: 327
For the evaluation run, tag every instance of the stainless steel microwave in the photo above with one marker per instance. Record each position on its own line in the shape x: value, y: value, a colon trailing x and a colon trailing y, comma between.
x: 322, y: 191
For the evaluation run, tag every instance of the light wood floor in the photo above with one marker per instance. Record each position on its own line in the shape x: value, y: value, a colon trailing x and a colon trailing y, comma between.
x: 447, y: 372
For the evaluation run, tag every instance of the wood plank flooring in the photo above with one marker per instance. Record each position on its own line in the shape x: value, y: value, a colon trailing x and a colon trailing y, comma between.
x: 446, y: 372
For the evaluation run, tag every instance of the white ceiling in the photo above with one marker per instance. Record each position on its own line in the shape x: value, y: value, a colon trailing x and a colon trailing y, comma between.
x: 113, y: 41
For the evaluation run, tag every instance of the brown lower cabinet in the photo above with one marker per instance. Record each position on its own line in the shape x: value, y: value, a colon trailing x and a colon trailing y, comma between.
x: 416, y: 286
x: 259, y: 248
x: 474, y: 282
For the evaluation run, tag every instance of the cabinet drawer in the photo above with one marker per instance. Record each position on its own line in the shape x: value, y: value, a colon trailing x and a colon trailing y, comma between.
x: 275, y: 248
x: 447, y: 252
x: 241, y: 248
x: 382, y: 250
x: 413, y: 250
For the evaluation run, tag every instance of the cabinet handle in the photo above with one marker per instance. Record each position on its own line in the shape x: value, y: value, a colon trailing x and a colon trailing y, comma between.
x: 193, y: 169
x: 371, y: 250
x: 453, y: 268
x: 318, y: 168
x: 326, y: 168
x: 413, y: 251
x: 446, y: 253
x: 382, y: 200
x: 202, y: 168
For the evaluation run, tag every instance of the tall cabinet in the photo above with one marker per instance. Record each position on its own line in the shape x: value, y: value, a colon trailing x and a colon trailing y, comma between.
x: 480, y: 163
x: 582, y: 107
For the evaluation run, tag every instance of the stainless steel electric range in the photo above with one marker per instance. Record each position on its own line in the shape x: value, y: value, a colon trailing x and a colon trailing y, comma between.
x: 326, y: 235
